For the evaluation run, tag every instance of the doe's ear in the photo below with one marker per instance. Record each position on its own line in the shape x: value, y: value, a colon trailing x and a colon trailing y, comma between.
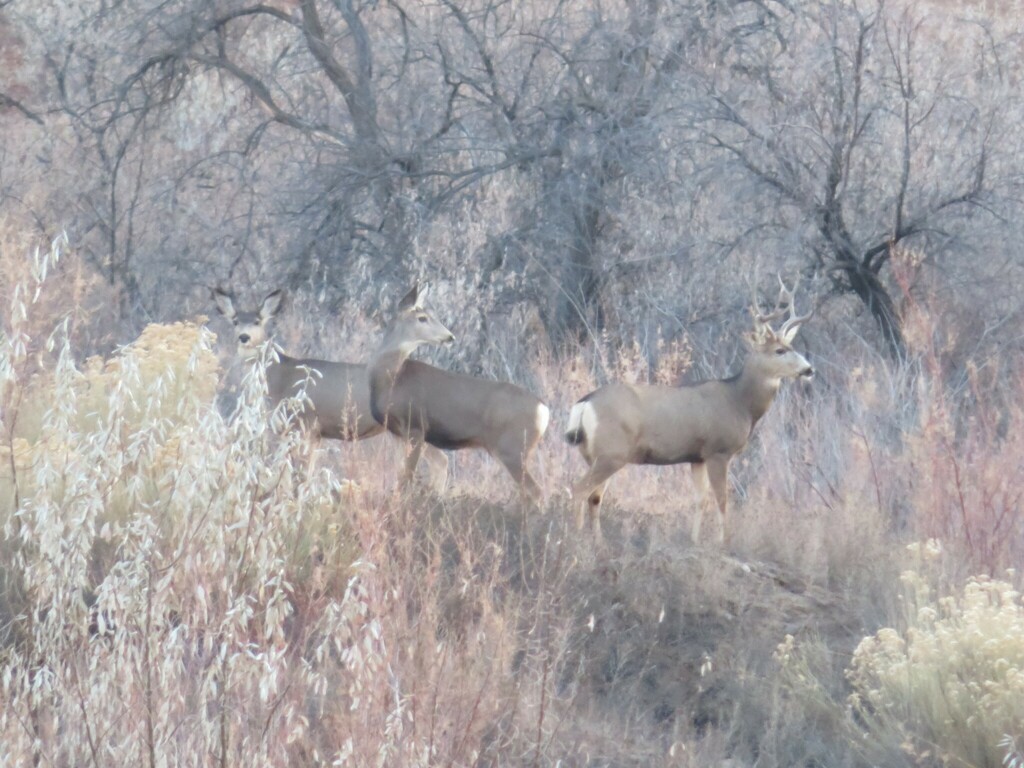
x: 225, y: 303
x: 271, y: 304
x: 411, y: 299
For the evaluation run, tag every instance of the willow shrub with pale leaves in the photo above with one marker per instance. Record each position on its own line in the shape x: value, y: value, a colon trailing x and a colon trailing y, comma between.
x: 155, y: 556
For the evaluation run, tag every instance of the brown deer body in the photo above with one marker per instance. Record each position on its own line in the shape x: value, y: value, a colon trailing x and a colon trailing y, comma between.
x: 703, y: 424
x: 337, y: 393
x: 431, y: 406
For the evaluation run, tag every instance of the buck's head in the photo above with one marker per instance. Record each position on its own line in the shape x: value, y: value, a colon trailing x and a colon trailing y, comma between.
x: 251, y: 327
x: 414, y: 323
x: 772, y: 350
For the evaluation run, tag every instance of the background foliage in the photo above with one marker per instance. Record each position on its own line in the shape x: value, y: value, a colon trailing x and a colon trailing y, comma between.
x: 593, y: 189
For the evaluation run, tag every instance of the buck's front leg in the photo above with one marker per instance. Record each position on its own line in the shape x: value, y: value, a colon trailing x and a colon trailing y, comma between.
x: 700, y: 479
x: 718, y: 477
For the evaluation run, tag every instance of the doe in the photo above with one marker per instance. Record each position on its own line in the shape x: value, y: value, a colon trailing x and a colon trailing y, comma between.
x: 431, y: 406
x: 338, y: 393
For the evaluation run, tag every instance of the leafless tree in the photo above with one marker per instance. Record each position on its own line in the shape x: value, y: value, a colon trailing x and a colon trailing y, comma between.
x: 638, y: 145
x: 857, y: 139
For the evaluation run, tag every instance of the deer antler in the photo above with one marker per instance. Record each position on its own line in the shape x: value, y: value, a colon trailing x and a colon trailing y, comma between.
x: 794, y: 321
x: 762, y: 320
x: 785, y: 304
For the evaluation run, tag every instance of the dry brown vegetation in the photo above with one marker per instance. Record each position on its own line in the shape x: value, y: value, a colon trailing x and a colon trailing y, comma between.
x: 590, y: 187
x: 181, y: 586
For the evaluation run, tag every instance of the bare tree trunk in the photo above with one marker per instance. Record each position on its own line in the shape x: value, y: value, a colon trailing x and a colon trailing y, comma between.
x: 867, y: 286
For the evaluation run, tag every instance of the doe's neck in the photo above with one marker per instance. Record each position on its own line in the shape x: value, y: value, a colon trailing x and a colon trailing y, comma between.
x: 392, y: 353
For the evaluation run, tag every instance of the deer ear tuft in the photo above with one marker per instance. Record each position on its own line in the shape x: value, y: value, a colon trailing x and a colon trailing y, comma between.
x: 422, y: 297
x: 790, y: 333
x: 410, y: 300
x: 225, y: 303
x: 271, y: 304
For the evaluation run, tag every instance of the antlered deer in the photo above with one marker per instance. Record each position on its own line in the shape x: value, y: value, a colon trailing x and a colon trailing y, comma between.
x: 427, y: 405
x: 338, y: 393
x: 703, y: 424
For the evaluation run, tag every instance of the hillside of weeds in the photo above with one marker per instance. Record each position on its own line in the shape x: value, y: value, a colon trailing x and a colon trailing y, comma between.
x: 186, y: 581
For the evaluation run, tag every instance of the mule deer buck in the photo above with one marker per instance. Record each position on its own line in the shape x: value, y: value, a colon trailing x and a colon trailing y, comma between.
x: 338, y: 393
x: 703, y: 424
x: 430, y: 406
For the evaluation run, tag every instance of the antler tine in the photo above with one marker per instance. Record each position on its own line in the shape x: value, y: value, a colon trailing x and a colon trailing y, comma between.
x: 755, y: 305
x: 755, y: 301
x: 777, y: 312
x: 788, y: 295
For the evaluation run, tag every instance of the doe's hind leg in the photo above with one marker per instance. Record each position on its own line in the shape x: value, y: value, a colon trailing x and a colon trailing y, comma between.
x: 513, y: 451
x: 412, y: 460
x: 436, y: 462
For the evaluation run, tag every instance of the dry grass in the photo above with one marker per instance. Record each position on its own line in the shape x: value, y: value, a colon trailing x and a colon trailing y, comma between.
x: 185, y: 587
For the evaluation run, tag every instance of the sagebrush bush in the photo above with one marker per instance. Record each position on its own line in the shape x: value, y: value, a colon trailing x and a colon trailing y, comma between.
x: 950, y: 684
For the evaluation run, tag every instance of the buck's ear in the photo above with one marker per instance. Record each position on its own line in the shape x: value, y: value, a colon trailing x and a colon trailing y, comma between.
x: 271, y: 305
x: 225, y: 303
x: 411, y: 299
x: 789, y: 334
x: 759, y: 338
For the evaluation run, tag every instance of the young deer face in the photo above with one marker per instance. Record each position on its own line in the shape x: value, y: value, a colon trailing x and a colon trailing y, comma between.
x: 415, y: 324
x: 251, y: 327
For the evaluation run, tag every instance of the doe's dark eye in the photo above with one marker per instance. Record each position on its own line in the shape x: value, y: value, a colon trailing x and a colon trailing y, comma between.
x: 422, y: 318
x: 780, y: 351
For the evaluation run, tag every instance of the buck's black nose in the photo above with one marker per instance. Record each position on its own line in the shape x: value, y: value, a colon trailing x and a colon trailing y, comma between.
x: 244, y: 338
x: 807, y: 372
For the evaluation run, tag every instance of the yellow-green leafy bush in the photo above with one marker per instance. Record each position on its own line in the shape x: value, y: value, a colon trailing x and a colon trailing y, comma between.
x: 951, y: 685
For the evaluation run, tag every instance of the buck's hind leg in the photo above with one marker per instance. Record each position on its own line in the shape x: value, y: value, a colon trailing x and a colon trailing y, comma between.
x: 588, y: 492
x: 593, y: 509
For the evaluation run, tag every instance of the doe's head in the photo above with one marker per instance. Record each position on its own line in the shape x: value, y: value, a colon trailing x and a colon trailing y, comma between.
x: 414, y: 323
x: 252, y: 327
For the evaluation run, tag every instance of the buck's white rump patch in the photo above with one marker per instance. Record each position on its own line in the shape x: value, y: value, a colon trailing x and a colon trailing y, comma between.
x: 583, y: 417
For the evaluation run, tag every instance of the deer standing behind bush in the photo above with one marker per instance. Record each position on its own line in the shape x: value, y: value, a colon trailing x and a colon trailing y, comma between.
x: 703, y: 424
x: 338, y: 393
x: 432, y: 407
